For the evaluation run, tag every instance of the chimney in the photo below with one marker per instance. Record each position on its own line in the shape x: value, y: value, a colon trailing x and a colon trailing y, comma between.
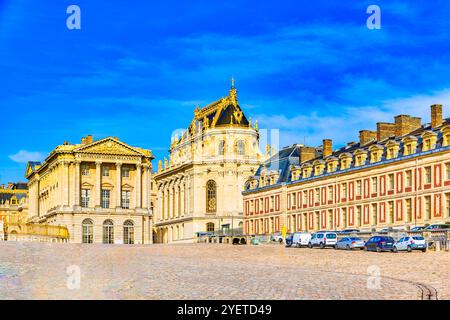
x: 366, y: 136
x: 89, y: 139
x: 385, y: 130
x: 436, y: 115
x: 307, y: 153
x: 327, y: 147
x: 3, y: 186
x: 404, y: 124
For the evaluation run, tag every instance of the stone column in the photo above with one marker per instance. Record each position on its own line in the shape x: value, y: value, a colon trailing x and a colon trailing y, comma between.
x: 146, y: 192
x: 175, y: 201
x: 118, y: 185
x: 65, y: 184
x: 138, y: 185
x: 76, y: 185
x: 183, y: 198
x: 98, y: 183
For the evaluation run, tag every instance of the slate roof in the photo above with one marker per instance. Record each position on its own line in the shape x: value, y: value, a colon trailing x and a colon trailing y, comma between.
x: 289, y: 156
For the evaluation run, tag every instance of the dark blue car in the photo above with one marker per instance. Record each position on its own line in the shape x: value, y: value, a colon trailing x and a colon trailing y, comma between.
x: 379, y: 244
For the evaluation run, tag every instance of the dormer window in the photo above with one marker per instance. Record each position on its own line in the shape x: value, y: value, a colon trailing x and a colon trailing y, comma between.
x: 306, y: 172
x: 429, y: 139
x: 345, y: 162
x: 445, y: 135
x: 426, y: 145
x: 392, y: 148
x: 446, y: 140
x: 319, y: 166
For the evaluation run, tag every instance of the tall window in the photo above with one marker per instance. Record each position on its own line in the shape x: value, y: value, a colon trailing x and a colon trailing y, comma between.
x: 428, y: 207
x: 221, y: 148
x: 105, y: 198
x: 240, y: 148
x: 408, y: 210
x: 358, y: 187
x: 448, y: 170
x: 447, y: 201
x: 210, y: 227
x: 87, y: 231
x: 409, y: 178
x: 330, y: 193
x: 344, y: 190
x: 391, y: 181
x: 428, y: 175
x: 85, y: 170
x: 211, y: 196
x: 128, y: 232
x: 125, y: 172
x: 108, y: 232
x: 85, y: 196
x: 391, y: 211
x: 105, y: 171
x: 126, y: 199
x: 374, y: 185
x: 317, y: 195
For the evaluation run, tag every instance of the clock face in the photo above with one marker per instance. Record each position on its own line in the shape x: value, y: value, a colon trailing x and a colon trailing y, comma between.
x: 109, y: 144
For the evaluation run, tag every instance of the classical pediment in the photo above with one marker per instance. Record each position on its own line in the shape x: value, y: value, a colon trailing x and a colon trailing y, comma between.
x: 109, y: 146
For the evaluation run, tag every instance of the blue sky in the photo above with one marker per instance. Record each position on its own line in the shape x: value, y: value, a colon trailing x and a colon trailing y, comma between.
x: 137, y: 69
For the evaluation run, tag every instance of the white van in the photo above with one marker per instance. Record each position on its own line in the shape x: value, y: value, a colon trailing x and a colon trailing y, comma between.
x: 300, y: 239
x: 323, y: 239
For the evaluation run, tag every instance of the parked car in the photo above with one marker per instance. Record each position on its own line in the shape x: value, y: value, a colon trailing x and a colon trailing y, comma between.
x: 379, y: 244
x: 301, y: 239
x: 277, y: 237
x: 347, y: 231
x: 323, y: 239
x: 350, y: 243
x: 289, y: 240
x: 437, y: 227
x: 410, y: 243
x: 417, y: 229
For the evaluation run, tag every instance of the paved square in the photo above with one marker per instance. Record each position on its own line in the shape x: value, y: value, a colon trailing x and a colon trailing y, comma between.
x: 213, y: 271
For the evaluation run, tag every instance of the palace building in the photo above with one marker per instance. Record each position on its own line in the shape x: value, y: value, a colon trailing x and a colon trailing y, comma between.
x: 395, y: 177
x: 13, y: 205
x: 99, y: 190
x: 199, y: 188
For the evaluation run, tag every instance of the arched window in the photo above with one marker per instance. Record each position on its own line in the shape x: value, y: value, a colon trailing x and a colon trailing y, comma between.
x: 87, y: 227
x: 210, y: 227
x: 211, y: 196
x: 108, y: 232
x: 128, y: 232
x: 240, y: 148
x: 221, y: 147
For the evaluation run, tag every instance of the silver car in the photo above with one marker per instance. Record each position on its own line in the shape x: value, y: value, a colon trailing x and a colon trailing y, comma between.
x: 350, y: 243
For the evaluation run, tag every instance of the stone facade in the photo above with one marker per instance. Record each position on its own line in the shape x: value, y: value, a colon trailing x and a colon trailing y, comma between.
x: 100, y: 190
x: 398, y: 181
x: 13, y: 206
x: 199, y: 187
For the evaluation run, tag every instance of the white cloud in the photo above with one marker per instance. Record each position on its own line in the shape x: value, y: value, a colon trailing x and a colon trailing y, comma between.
x: 23, y: 156
x: 344, y: 126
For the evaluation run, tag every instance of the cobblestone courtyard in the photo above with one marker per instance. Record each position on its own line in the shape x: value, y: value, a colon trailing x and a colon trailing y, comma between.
x: 202, y: 271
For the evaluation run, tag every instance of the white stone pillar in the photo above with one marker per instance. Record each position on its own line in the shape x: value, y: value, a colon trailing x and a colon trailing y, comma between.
x: 65, y: 184
x: 183, y: 199
x: 118, y: 185
x: 98, y: 183
x: 76, y: 185
x: 146, y: 192
x: 175, y: 201
x: 138, y: 185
